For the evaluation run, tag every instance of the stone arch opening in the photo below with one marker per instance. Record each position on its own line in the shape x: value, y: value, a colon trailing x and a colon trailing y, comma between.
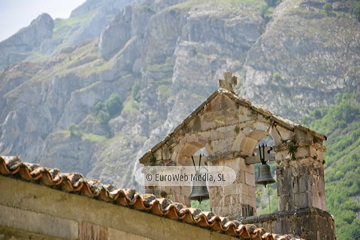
x: 266, y: 197
x: 183, y: 158
x: 188, y: 149
x: 205, y: 204
x: 261, y: 134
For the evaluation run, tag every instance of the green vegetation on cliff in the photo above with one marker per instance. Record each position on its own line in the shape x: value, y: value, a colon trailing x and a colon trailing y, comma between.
x: 341, y: 123
x: 109, y: 109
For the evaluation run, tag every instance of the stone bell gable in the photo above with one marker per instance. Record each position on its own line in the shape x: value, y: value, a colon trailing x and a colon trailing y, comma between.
x: 229, y: 128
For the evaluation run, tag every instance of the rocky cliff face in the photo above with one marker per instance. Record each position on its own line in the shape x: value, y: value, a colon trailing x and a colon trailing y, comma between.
x: 163, y: 58
x: 302, y: 59
x: 18, y: 46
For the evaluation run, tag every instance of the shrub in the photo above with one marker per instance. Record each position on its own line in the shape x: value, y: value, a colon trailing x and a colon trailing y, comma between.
x: 273, y: 3
x: 327, y: 7
x: 98, y: 105
x: 113, y: 104
x: 277, y: 76
x: 263, y: 10
x: 356, y: 11
x: 135, y: 92
x: 74, y: 130
x: 103, y: 117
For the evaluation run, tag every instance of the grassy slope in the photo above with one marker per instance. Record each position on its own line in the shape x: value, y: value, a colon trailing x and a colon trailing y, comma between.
x: 341, y: 123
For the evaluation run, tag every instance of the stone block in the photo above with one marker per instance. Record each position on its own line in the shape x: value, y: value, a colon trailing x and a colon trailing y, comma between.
x: 251, y: 202
x: 240, y: 177
x: 214, y: 191
x: 284, y: 133
x: 283, y: 156
x: 244, y: 189
x: 305, y: 183
x: 275, y: 135
x: 263, y: 118
x: 248, y: 145
x: 233, y: 163
x: 228, y: 203
x: 235, y: 200
x: 246, y: 114
x: 230, y: 189
x: 301, y: 200
x: 166, y: 153
x: 285, y: 202
x: 221, y: 146
x: 231, y: 120
x: 205, y: 125
x: 246, y: 168
x: 251, y: 192
x: 261, y: 126
x: 217, y: 210
x: 250, y: 179
x: 205, y: 135
x: 303, y: 137
x: 237, y: 188
x: 38, y: 222
x: 295, y: 184
x: 115, y: 234
x: 248, y: 128
x: 302, y: 152
x: 91, y: 231
x: 237, y: 142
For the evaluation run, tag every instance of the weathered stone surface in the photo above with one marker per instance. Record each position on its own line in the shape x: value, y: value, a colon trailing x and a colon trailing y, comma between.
x: 38, y: 222
x: 307, y: 223
x: 17, y: 234
x: 116, y: 234
x: 91, y: 231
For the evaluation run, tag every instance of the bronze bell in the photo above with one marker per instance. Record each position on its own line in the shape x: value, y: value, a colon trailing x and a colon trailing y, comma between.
x: 264, y: 177
x: 199, y: 189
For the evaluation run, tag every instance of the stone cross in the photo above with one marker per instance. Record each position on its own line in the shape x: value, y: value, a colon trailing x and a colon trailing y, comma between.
x: 228, y: 81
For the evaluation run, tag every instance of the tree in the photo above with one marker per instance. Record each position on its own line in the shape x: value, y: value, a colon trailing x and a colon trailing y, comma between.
x: 103, y: 117
x: 74, y: 130
x: 263, y: 10
x: 98, y: 105
x: 327, y: 7
x: 113, y: 104
x: 277, y: 76
x: 135, y: 92
x: 273, y: 3
x: 356, y: 11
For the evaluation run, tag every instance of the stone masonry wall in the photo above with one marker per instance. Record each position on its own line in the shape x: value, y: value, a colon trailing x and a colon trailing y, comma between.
x: 307, y: 223
x: 237, y: 199
x: 230, y: 128
x: 300, y: 178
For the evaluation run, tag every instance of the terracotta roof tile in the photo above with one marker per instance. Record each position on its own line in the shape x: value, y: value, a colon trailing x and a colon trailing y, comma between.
x: 76, y: 183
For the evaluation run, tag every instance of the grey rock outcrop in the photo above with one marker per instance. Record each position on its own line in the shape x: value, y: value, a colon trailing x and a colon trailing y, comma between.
x: 92, y: 27
x: 28, y: 39
x: 129, y: 22
x: 301, y: 61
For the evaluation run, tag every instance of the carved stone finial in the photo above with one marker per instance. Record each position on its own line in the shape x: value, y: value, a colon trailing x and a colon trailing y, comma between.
x: 228, y: 81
